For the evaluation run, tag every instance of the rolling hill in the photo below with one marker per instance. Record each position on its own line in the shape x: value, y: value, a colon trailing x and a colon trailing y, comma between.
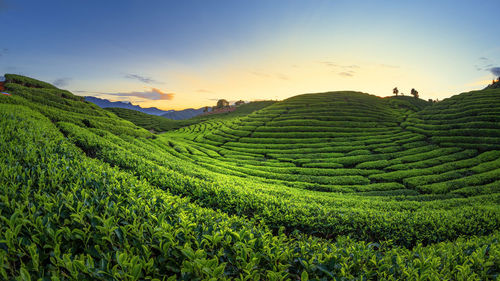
x: 338, y: 185
x: 162, y: 124
x: 183, y: 114
x: 355, y: 142
x: 147, y: 121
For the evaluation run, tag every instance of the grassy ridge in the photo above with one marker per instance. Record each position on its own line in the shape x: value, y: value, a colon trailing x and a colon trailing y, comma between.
x: 149, y: 122
x: 468, y: 120
x: 61, y: 105
x: 82, y: 200
x: 82, y: 219
x: 161, y: 124
x: 367, y: 136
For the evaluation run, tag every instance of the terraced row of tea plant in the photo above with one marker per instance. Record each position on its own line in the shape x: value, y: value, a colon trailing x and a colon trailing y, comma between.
x: 468, y: 120
x: 149, y: 122
x: 82, y: 200
x: 159, y: 124
x: 353, y: 142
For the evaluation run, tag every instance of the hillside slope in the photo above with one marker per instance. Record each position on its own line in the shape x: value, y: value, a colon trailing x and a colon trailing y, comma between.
x: 87, y: 195
x: 62, y: 106
x: 147, y: 121
x: 342, y: 141
x: 351, y: 143
x: 159, y: 124
x: 183, y: 114
x: 104, y: 103
x: 468, y: 120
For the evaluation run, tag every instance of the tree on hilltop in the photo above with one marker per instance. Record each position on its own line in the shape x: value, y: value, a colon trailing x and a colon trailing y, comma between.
x: 222, y: 103
x: 414, y: 93
x: 395, y: 91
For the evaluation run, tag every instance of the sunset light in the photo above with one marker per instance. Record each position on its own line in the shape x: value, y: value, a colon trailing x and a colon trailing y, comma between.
x: 250, y: 50
x: 249, y: 140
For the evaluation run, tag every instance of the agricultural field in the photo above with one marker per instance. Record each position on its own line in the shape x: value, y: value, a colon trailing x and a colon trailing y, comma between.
x: 328, y: 186
x: 149, y: 122
x: 157, y: 124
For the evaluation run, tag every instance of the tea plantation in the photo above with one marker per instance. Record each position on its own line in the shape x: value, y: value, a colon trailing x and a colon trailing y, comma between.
x: 330, y: 186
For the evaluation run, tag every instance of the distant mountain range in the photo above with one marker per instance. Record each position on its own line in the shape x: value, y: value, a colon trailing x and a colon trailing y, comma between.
x: 104, y: 103
x: 171, y: 114
x: 184, y: 114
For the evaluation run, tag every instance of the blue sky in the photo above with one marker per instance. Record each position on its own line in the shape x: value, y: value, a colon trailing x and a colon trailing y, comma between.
x: 195, y: 52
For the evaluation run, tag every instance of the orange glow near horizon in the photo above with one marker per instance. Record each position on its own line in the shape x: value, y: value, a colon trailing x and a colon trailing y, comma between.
x: 277, y: 81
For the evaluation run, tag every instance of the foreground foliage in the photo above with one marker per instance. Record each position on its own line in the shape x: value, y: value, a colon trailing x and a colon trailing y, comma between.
x: 82, y: 200
x: 147, y: 121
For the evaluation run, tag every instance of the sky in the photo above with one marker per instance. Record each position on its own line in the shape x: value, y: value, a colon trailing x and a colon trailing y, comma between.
x: 190, y: 53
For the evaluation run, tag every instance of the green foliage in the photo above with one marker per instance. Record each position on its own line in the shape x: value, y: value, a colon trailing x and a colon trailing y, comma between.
x: 241, y: 110
x: 27, y: 81
x: 160, y: 124
x: 408, y: 103
x: 468, y: 120
x: 343, y: 186
x: 147, y: 121
x: 59, y: 105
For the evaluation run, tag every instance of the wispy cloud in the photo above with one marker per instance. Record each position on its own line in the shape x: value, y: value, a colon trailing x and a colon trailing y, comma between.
x: 346, y: 74
x: 486, y: 64
x: 61, y: 82
x: 342, y: 66
x: 329, y: 63
x: 495, y: 71
x: 270, y: 75
x: 144, y: 79
x: 281, y: 76
x: 3, y: 51
x: 344, y: 70
x: 154, y: 94
x: 85, y: 92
